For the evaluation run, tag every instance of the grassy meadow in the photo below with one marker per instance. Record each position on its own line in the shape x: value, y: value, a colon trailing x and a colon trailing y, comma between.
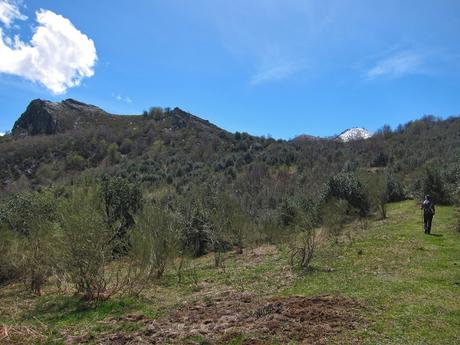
x: 406, y: 283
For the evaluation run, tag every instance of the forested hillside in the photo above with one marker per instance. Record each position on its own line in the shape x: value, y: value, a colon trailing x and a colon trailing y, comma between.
x: 170, y: 146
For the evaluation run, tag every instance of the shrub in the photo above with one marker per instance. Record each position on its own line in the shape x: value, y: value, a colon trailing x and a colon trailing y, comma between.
x: 9, y: 249
x: 395, y: 189
x: 121, y: 200
x: 377, y: 187
x: 303, y: 245
x: 383, y: 187
x: 268, y: 228
x: 126, y: 146
x: 346, y: 186
x: 228, y: 224
x: 21, y: 211
x: 38, y: 254
x: 88, y: 244
x: 29, y: 246
x: 335, y: 215
x: 113, y: 155
x: 194, y: 226
x: 287, y: 212
x: 154, y: 240
x: 433, y: 184
x: 75, y: 162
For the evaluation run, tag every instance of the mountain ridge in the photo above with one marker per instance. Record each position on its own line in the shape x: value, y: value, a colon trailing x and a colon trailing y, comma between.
x: 173, y: 147
x: 44, y: 117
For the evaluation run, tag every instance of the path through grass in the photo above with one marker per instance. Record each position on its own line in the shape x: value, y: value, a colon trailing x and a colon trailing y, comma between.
x: 409, y: 281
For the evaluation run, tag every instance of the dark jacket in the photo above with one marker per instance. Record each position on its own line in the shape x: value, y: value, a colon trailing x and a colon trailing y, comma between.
x: 428, y: 207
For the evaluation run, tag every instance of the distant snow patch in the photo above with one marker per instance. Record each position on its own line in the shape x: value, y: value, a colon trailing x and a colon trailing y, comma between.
x: 355, y: 133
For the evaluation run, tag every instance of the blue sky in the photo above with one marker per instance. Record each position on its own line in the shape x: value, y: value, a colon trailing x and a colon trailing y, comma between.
x: 268, y: 67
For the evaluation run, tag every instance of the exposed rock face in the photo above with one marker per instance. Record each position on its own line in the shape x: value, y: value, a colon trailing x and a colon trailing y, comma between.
x: 45, y: 117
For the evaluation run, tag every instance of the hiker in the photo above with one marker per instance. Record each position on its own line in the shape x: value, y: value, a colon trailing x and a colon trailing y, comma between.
x: 428, y: 213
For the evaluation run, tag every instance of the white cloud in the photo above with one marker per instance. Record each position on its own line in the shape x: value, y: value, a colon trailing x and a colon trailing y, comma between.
x: 277, y: 72
x: 58, y: 56
x: 397, y: 65
x: 121, y: 98
x: 274, y: 40
x: 9, y: 12
x: 2, y: 134
x: 276, y: 63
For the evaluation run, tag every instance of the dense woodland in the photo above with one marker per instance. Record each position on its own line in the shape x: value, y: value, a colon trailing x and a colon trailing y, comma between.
x: 109, y: 208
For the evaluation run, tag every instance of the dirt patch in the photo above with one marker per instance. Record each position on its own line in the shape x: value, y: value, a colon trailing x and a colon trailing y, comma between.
x: 216, y: 320
x: 260, y: 254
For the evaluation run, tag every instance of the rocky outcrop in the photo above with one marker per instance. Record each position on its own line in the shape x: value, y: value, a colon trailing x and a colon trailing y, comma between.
x: 45, y: 117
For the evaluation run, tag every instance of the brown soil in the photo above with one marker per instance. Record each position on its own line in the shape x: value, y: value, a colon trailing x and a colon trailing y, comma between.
x: 305, y: 320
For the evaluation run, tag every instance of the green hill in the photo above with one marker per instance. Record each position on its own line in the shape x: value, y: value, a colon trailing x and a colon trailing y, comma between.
x: 384, y: 282
x: 55, y: 142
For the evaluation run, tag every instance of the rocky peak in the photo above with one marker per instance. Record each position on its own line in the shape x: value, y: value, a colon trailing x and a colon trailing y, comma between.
x: 45, y: 117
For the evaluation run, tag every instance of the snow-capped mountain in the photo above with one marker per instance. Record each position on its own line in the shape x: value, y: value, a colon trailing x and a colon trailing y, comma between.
x: 355, y: 133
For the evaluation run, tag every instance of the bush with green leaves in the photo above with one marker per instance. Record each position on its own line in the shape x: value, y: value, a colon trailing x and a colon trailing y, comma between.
x: 121, y: 200
x: 347, y: 186
x: 395, y: 189
x: 75, y: 162
x: 304, y: 241
x: 27, y: 224
x: 335, y: 215
x: 126, y: 146
x: 39, y: 254
x: 194, y: 225
x: 432, y: 183
x: 377, y: 189
x: 21, y: 211
x: 87, y: 246
x: 113, y: 155
x: 154, y: 240
x: 228, y: 224
x: 9, y: 248
x: 287, y: 212
x: 267, y: 230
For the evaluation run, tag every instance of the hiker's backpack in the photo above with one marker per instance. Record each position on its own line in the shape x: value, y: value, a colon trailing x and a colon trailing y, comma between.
x: 428, y: 207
